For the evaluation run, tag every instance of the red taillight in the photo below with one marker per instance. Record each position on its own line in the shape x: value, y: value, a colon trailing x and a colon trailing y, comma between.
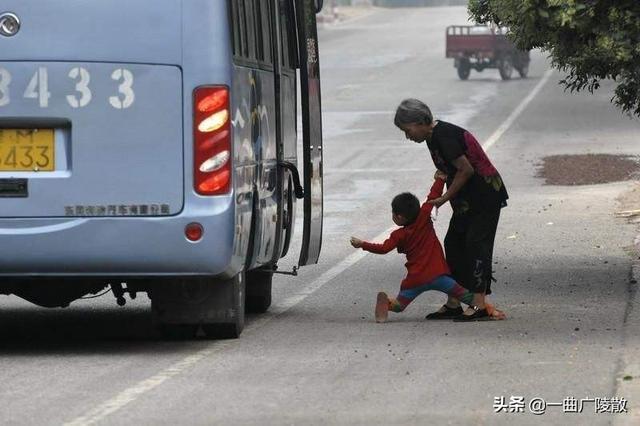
x: 214, y: 183
x: 214, y: 101
x: 212, y: 140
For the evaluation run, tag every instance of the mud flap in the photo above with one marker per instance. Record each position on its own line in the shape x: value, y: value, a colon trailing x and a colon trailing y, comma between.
x: 215, y: 305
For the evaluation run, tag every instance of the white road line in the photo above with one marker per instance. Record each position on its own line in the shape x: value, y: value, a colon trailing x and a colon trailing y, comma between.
x: 516, y: 112
x: 131, y: 394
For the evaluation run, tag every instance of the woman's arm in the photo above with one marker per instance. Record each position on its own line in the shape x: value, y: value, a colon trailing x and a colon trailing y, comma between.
x: 464, y: 172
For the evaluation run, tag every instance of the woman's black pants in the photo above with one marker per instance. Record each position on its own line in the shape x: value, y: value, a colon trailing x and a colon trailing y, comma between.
x: 469, y: 248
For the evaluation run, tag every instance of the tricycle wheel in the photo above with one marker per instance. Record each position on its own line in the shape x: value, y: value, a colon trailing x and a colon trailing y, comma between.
x: 523, y: 70
x: 506, y: 68
x: 464, y: 69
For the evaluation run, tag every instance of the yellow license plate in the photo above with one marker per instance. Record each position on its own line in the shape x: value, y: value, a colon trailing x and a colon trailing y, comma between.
x: 27, y: 150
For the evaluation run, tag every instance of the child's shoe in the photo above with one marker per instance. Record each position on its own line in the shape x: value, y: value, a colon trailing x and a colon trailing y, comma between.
x: 382, y: 307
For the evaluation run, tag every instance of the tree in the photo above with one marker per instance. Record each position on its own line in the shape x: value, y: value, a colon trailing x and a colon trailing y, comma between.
x: 591, y: 40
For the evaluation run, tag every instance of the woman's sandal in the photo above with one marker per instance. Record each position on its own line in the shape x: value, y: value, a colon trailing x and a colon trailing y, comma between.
x: 448, y: 313
x: 477, y: 315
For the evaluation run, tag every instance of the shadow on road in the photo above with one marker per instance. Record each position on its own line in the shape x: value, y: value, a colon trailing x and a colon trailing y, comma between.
x: 79, y: 330
x: 86, y: 330
x: 574, y: 300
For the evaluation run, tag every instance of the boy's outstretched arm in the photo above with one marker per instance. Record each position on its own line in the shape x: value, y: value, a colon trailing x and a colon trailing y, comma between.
x: 436, y: 191
x: 389, y: 244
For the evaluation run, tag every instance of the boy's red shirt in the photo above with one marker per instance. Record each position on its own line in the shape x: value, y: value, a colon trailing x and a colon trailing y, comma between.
x: 425, y: 258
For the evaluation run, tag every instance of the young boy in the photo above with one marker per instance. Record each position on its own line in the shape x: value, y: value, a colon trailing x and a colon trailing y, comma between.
x: 427, y: 268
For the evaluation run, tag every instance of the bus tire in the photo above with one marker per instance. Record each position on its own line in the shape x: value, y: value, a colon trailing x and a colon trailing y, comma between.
x: 178, y: 331
x: 259, y: 283
x: 181, y: 307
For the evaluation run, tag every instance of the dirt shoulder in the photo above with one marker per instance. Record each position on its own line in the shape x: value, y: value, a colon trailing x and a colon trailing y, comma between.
x: 588, y: 169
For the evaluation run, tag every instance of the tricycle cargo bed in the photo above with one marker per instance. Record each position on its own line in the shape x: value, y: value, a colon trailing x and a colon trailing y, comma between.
x: 480, y: 47
x: 469, y: 40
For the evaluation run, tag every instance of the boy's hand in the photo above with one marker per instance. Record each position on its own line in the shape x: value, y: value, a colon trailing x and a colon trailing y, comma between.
x: 440, y: 175
x: 357, y: 243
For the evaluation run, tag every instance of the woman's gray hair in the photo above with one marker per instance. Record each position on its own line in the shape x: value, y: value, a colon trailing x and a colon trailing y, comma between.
x: 412, y: 111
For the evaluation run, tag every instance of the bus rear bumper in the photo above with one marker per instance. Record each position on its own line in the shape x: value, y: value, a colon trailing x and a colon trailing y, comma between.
x: 117, y: 247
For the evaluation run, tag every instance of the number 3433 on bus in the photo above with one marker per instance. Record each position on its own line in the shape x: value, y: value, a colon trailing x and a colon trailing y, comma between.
x: 38, y: 88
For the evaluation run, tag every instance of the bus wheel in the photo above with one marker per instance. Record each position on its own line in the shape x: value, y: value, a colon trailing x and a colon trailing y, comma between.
x: 178, y: 331
x: 181, y: 307
x: 259, y: 283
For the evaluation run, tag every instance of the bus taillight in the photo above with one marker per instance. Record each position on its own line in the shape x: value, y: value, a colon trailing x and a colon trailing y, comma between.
x: 214, y: 101
x: 212, y: 142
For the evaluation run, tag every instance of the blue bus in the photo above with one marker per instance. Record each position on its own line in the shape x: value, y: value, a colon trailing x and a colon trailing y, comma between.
x: 151, y: 146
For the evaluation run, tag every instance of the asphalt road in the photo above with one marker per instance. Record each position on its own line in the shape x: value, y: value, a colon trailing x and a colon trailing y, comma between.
x: 318, y: 357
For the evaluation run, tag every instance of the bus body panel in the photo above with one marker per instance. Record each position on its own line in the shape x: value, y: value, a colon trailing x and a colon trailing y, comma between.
x: 118, y: 246
x: 171, y: 48
x: 118, y: 146
x: 127, y: 31
x: 254, y: 133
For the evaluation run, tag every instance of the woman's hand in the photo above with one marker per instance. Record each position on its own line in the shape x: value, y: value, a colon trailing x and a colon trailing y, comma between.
x: 437, y: 201
x: 357, y: 243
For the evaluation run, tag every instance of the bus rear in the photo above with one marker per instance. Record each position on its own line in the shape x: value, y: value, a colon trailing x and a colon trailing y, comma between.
x: 118, y: 164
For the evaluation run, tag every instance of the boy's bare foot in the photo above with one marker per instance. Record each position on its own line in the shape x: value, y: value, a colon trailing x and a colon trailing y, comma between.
x: 382, y: 307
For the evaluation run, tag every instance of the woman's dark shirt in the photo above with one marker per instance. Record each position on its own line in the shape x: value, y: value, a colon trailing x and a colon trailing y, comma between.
x: 484, y: 189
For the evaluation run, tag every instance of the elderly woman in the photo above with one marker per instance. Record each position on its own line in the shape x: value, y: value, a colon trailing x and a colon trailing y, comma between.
x: 476, y: 193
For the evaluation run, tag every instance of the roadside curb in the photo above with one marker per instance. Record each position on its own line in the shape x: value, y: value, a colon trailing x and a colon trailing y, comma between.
x: 629, y: 367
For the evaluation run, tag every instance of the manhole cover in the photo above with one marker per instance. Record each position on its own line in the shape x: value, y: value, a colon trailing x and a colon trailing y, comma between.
x: 588, y: 169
